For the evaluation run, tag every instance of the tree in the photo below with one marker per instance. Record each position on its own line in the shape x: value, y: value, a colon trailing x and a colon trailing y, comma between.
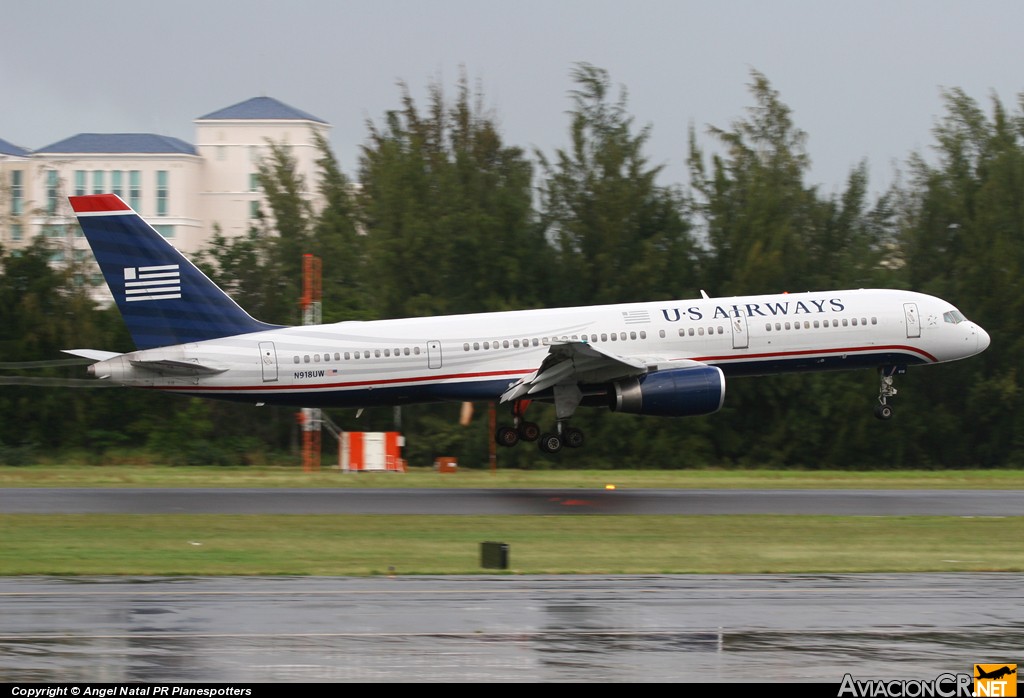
x: 447, y: 212
x: 618, y: 235
x: 964, y: 241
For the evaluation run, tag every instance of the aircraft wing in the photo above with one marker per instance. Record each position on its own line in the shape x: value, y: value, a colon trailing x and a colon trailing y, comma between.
x: 573, y: 362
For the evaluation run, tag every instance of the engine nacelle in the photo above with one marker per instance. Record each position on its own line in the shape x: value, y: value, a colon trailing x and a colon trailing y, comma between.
x: 679, y: 392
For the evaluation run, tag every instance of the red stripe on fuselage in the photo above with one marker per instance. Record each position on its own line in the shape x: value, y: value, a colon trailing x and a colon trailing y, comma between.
x: 812, y: 352
x: 267, y: 387
x: 351, y: 384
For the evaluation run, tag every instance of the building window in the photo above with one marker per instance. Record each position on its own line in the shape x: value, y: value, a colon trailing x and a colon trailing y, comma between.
x: 165, y: 230
x: 16, y: 232
x: 17, y: 193
x: 161, y: 192
x: 135, y: 190
x: 52, y: 190
x: 99, y: 182
x: 254, y: 182
x: 79, y: 182
x: 116, y: 183
x: 254, y: 209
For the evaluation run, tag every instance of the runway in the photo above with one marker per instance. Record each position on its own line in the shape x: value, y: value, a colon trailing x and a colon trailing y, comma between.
x: 511, y: 501
x: 593, y: 629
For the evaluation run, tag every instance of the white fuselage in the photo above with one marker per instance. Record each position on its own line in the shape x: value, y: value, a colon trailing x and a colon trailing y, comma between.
x: 476, y: 357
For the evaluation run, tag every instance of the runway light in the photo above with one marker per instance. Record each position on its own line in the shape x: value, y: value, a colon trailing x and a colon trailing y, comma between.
x: 609, y: 487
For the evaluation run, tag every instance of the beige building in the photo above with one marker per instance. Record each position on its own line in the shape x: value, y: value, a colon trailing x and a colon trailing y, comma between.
x: 186, y: 191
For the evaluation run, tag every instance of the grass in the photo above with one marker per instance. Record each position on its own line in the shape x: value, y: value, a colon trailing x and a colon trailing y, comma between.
x: 108, y: 544
x: 270, y: 476
x: 427, y: 545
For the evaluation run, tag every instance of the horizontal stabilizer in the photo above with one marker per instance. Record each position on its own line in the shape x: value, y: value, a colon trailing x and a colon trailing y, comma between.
x: 94, y: 354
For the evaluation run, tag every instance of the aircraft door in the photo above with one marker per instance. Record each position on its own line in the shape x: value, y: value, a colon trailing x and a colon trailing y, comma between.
x: 268, y: 361
x: 913, y: 321
x: 740, y: 338
x: 433, y: 354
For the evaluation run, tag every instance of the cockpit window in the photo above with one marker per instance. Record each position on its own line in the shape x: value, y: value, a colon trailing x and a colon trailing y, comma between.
x: 954, y: 317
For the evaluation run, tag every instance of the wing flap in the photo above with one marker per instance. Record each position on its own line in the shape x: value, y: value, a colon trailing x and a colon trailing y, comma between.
x: 573, y: 363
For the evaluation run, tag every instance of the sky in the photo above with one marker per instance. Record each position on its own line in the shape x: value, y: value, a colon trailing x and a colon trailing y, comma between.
x: 863, y: 79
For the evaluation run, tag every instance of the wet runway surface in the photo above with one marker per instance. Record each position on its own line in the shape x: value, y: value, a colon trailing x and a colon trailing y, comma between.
x: 501, y: 628
x: 511, y: 502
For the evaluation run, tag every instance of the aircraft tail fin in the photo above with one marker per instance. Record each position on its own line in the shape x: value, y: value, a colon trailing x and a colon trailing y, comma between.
x: 163, y: 298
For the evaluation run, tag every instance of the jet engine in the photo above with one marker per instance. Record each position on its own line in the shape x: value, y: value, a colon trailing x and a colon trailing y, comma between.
x: 679, y: 392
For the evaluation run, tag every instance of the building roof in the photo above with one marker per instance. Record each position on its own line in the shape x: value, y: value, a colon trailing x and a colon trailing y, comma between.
x: 7, y: 148
x: 260, y: 109
x: 120, y: 143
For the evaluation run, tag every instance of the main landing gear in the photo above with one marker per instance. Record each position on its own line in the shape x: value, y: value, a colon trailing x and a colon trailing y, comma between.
x: 567, y: 398
x: 886, y: 391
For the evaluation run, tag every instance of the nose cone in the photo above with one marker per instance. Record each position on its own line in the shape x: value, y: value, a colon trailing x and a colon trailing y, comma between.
x: 983, y: 339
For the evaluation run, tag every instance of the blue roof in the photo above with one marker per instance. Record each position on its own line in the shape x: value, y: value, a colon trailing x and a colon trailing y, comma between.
x: 260, y: 109
x: 120, y: 143
x: 7, y: 148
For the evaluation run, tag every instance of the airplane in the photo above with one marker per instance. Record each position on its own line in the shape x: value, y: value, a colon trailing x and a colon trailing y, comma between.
x: 995, y: 673
x: 664, y: 358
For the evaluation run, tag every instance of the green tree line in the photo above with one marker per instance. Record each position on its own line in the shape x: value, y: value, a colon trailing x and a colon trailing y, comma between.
x: 443, y: 216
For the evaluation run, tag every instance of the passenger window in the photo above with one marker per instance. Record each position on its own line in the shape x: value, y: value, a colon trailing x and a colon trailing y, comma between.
x: 347, y: 356
x: 661, y: 333
x: 316, y: 358
x: 296, y: 358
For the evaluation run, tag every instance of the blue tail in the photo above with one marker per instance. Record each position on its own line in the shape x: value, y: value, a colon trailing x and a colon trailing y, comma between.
x: 163, y: 298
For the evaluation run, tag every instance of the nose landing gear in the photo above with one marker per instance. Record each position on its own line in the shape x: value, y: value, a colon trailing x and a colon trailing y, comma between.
x: 886, y: 391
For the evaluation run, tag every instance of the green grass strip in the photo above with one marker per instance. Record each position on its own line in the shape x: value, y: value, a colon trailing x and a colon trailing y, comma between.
x: 421, y: 545
x: 57, y: 475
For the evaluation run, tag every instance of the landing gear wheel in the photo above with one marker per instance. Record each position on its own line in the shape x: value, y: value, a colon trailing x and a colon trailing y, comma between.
x: 506, y: 436
x: 551, y: 443
x: 573, y: 437
x: 529, y: 431
x: 883, y: 411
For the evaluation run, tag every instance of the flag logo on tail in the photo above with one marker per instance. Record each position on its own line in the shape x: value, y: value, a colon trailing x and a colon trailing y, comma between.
x: 152, y: 283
